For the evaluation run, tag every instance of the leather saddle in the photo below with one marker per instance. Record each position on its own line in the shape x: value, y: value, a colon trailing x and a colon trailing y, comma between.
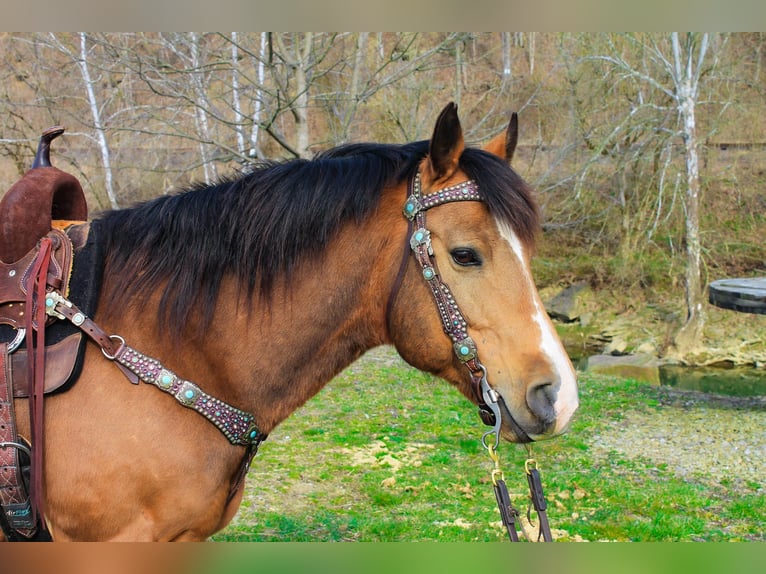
x: 44, y: 195
x: 43, y: 202
x: 36, y: 259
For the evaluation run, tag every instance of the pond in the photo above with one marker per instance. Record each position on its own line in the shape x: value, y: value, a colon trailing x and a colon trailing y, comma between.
x: 733, y: 381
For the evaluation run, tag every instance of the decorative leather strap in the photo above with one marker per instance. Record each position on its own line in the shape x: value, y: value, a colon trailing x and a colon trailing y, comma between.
x: 453, y: 322
x: 236, y: 425
x: 14, y: 500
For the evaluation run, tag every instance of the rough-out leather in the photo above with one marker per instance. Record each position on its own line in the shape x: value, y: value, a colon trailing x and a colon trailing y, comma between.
x: 31, y: 204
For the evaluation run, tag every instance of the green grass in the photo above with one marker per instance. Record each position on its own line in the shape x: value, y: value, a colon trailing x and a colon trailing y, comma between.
x: 387, y: 453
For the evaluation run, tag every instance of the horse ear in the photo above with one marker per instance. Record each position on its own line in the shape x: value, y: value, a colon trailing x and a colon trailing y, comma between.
x: 504, y: 144
x: 446, y: 144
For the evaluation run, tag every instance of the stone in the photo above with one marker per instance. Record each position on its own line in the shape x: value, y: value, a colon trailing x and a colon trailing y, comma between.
x: 568, y: 305
x: 616, y: 346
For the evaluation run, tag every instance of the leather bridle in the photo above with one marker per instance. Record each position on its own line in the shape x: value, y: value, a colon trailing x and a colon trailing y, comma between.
x: 453, y: 321
x: 464, y: 347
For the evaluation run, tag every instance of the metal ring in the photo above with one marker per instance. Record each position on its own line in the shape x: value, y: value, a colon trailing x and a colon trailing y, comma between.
x: 490, y: 398
x: 17, y: 446
x: 113, y: 338
x: 13, y: 345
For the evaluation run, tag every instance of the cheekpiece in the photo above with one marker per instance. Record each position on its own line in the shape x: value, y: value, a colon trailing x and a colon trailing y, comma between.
x: 414, y: 209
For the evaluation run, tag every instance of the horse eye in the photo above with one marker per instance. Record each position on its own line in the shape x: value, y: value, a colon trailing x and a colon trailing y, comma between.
x: 465, y: 257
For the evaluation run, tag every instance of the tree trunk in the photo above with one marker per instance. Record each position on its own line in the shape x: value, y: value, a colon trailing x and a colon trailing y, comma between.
x: 458, y: 72
x: 689, y: 338
x: 506, y: 36
x: 255, y: 149
x: 98, y: 124
x: 201, y: 104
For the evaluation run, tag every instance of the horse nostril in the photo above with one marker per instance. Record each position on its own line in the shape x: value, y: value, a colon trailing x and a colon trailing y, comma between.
x: 541, y: 398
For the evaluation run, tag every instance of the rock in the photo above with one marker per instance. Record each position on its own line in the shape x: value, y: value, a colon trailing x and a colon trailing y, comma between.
x: 642, y: 367
x: 646, y: 348
x: 568, y: 305
x: 616, y: 346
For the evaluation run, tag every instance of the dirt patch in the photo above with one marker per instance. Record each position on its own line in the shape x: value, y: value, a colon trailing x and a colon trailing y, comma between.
x: 377, y: 453
x: 707, y: 438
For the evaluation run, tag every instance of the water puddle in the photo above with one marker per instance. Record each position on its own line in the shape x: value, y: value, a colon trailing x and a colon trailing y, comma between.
x: 734, y: 381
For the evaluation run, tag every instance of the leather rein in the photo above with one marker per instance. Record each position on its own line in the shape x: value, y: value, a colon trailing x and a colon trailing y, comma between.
x: 464, y: 347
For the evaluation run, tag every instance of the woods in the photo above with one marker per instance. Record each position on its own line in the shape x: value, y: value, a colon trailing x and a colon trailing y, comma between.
x: 621, y: 134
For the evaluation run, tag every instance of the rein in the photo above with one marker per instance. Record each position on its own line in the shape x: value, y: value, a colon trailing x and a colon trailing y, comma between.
x: 464, y: 347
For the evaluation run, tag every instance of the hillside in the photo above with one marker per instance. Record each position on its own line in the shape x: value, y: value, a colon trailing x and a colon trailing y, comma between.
x: 149, y: 113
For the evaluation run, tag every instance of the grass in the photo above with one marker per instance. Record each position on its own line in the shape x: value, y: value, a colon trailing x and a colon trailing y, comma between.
x: 387, y: 453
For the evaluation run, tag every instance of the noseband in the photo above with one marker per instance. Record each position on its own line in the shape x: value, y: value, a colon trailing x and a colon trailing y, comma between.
x: 453, y: 321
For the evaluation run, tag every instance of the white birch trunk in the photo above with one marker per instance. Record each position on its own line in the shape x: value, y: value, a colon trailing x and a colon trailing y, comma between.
x: 506, y: 37
x: 95, y: 111
x: 687, y: 85
x: 203, y: 128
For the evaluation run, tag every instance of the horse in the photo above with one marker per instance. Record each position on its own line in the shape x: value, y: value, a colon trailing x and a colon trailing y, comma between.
x: 261, y: 287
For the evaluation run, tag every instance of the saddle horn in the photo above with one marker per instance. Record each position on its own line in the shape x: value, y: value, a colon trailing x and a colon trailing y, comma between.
x: 43, y: 155
x: 42, y: 195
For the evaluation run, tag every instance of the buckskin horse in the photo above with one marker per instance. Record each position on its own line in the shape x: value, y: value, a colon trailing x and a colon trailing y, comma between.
x: 240, y: 300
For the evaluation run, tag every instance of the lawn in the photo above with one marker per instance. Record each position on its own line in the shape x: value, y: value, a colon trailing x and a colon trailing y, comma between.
x: 387, y: 453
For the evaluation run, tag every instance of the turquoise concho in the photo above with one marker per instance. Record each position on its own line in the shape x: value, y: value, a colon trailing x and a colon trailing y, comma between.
x: 465, y: 349
x: 411, y: 207
x: 421, y: 237
x: 188, y: 393
x: 165, y: 380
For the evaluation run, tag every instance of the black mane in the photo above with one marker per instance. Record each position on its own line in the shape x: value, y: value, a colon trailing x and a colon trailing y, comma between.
x: 263, y: 224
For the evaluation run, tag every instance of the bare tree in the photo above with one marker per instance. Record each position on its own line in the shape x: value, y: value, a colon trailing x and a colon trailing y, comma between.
x: 79, y: 49
x: 665, y: 74
x: 687, y: 67
x: 95, y: 111
x: 300, y: 60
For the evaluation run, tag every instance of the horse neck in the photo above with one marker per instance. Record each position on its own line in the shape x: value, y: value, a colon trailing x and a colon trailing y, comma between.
x: 331, y: 313
x: 271, y: 354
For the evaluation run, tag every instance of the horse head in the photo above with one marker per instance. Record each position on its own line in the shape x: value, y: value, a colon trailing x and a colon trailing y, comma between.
x: 479, y: 250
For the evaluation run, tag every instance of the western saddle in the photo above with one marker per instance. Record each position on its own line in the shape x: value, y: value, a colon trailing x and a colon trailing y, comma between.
x: 36, y: 256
